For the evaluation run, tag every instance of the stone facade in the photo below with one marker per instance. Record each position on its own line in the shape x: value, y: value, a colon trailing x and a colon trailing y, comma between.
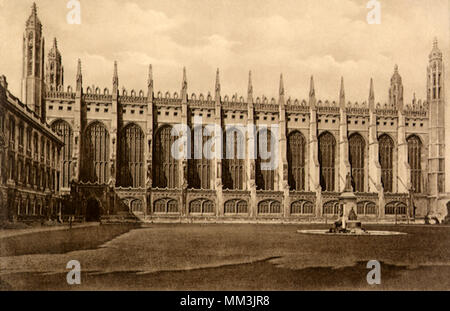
x: 117, y: 150
x: 30, y: 154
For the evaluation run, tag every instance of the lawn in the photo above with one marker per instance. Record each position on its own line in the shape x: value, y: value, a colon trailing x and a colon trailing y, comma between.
x: 229, y: 257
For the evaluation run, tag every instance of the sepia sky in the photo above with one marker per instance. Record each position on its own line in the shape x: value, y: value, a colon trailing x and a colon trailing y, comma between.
x: 299, y: 38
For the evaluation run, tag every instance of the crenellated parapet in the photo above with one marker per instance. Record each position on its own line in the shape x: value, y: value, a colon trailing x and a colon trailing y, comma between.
x: 327, y: 107
x: 385, y: 110
x: 263, y: 104
x: 297, y: 106
x: 359, y: 109
x: 234, y: 103
x: 60, y: 95
x: 417, y: 109
x: 167, y: 99
x: 97, y: 97
x: 201, y: 102
x: 138, y: 98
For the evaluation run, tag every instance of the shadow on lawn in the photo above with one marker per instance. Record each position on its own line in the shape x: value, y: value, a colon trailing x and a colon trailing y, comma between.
x: 62, y: 241
x: 260, y: 275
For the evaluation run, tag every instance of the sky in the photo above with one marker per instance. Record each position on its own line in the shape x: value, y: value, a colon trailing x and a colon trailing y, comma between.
x: 299, y: 38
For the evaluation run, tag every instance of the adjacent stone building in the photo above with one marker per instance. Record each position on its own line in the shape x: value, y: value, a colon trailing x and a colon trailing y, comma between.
x: 117, y: 147
x: 30, y: 166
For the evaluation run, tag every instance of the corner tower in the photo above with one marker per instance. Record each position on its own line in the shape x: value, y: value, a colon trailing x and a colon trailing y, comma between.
x: 396, y: 90
x: 33, y: 65
x: 435, y: 98
x: 54, y: 77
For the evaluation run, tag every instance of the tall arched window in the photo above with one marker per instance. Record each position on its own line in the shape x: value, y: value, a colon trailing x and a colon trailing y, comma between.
x: 131, y: 157
x: 35, y: 146
x: 21, y: 134
x: 386, y: 155
x: 265, y: 179
x: 327, y: 156
x: 165, y: 167
x: 357, y: 145
x: 200, y: 169
x: 233, y: 159
x: 12, y: 131
x: 414, y: 158
x: 96, y: 154
x: 2, y: 167
x: 42, y: 149
x: 64, y: 130
x: 296, y: 161
x: 29, y: 131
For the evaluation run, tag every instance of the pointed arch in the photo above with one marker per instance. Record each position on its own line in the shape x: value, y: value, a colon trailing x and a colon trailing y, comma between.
x: 386, y: 156
x: 327, y: 158
x: 414, y: 161
x: 233, y: 159
x: 64, y: 130
x: 265, y: 179
x: 131, y: 157
x: 165, y: 166
x: 296, y: 156
x: 200, y: 170
x: 96, y: 154
x: 357, y: 147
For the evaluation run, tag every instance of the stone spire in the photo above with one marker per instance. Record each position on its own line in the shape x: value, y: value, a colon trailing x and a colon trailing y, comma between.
x: 33, y: 21
x: 115, y: 79
x: 312, y: 91
x: 371, y: 92
x: 342, y: 94
x: 217, y: 85
x: 150, y: 83
x: 371, y: 96
x: 312, y: 94
x: 79, y: 69
x: 281, y: 101
x: 184, y: 86
x: 373, y: 164
x: 250, y: 88
x: 281, y: 92
x: 344, y: 164
x: 79, y: 77
x: 435, y: 53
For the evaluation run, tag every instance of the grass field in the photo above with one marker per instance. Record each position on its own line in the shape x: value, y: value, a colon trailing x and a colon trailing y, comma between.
x: 225, y: 257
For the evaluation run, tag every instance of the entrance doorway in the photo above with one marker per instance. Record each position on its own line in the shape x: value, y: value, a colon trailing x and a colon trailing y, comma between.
x: 93, y: 211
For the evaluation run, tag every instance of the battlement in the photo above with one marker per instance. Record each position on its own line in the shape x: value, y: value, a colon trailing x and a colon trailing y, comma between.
x: 417, y: 108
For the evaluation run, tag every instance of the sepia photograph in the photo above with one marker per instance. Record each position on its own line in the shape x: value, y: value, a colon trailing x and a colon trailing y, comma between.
x: 224, y: 145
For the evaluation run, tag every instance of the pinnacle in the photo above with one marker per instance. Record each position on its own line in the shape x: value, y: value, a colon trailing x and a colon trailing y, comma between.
x: 371, y: 92
x: 281, y: 85
x: 312, y: 91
